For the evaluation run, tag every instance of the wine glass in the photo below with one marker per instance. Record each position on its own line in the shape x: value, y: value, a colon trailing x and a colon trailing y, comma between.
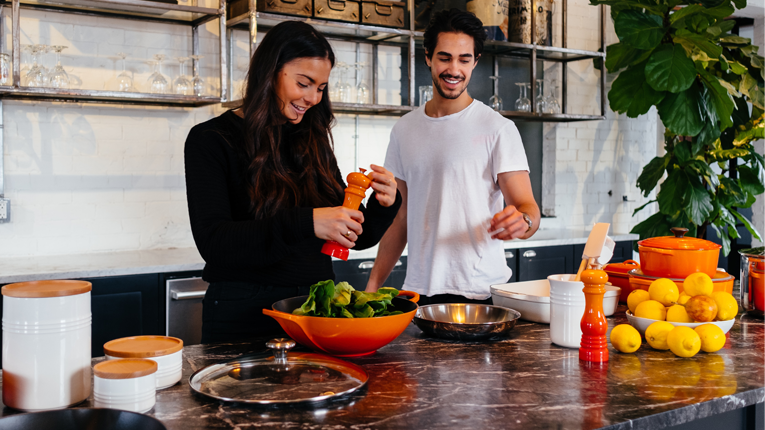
x: 157, y: 81
x: 36, y: 76
x: 495, y: 102
x: 343, y: 87
x: 523, y: 104
x: 197, y: 83
x: 362, y: 89
x: 124, y: 80
x: 5, y: 69
x: 182, y: 85
x: 58, y: 78
x: 26, y: 51
x: 541, y: 100
x: 552, y: 102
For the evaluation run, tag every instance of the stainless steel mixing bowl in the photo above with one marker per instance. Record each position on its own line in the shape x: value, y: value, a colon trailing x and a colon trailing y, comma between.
x: 460, y: 321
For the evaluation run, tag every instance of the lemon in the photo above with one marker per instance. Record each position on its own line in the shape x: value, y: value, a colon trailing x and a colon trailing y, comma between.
x: 727, y: 306
x: 712, y: 337
x: 683, y: 341
x: 677, y: 313
x: 656, y: 334
x: 652, y: 310
x: 625, y: 338
x: 698, y: 284
x: 664, y: 291
x: 635, y: 298
x: 683, y: 299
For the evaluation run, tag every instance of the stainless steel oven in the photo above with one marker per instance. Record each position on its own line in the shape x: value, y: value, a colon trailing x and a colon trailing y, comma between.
x: 183, y: 298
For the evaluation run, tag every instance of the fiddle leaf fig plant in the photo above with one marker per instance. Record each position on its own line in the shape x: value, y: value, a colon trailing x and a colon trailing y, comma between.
x: 681, y: 57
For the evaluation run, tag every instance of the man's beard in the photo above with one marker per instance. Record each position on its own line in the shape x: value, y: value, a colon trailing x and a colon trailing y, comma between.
x: 437, y: 84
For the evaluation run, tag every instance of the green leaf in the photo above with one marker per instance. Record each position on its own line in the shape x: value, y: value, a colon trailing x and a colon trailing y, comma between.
x: 735, y: 40
x: 721, y: 27
x: 729, y: 193
x: 703, y: 169
x: 707, y: 135
x: 669, y: 69
x: 737, y: 68
x: 685, y: 12
x: 653, y: 226
x: 730, y: 88
x: 642, y: 207
x: 741, y: 113
x: 652, y: 172
x: 698, y: 41
x: 681, y: 113
x: 750, y: 180
x: 748, y: 225
x: 672, y: 194
x: 620, y: 5
x: 639, y: 30
x: 740, y: 4
x: 723, y: 237
x: 620, y: 55
x: 724, y: 10
x: 717, y: 101
x: 752, y: 89
x: 683, y: 151
x: 631, y: 94
x: 696, y: 201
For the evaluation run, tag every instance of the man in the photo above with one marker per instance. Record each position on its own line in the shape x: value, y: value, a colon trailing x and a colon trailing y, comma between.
x: 454, y: 159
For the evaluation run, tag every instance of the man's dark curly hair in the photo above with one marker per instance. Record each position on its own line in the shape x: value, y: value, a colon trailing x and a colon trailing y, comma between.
x: 454, y: 21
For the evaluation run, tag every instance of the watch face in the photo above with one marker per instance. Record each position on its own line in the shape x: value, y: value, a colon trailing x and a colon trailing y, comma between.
x: 527, y: 219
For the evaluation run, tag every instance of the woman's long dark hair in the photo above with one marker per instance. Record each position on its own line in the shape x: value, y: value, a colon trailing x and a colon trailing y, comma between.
x: 288, y: 165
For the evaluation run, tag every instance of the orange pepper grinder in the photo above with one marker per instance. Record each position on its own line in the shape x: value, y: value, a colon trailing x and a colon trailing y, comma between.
x: 354, y: 194
x: 594, y: 325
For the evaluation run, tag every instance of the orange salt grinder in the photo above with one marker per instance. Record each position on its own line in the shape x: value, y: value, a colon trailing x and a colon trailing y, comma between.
x: 354, y: 194
x: 594, y: 325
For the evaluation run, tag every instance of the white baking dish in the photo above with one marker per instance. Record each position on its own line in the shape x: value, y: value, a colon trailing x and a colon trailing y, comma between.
x: 532, y: 299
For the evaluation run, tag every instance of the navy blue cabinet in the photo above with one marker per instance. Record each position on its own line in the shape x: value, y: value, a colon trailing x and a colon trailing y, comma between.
x: 356, y: 273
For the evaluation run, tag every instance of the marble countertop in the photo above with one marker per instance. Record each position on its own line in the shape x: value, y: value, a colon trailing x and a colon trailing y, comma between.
x: 20, y: 269
x: 523, y: 382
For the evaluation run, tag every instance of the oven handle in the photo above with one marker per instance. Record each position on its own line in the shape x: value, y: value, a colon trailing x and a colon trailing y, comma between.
x: 187, y: 295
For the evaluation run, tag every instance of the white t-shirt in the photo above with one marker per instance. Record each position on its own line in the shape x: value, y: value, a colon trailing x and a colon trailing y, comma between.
x: 450, y: 165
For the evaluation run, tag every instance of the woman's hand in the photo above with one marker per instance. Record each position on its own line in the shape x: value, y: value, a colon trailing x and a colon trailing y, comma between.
x: 384, y: 184
x: 340, y: 224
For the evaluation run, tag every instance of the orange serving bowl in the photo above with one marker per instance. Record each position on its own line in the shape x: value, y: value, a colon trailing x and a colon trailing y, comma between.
x: 344, y: 337
x: 722, y: 281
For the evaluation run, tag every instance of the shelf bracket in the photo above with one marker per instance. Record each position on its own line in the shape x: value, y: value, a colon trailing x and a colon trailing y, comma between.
x: 16, y: 43
x: 222, y: 33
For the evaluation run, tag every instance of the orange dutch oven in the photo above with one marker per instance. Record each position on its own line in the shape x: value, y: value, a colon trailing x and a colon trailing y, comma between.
x: 678, y: 256
x: 344, y: 337
x: 618, y: 276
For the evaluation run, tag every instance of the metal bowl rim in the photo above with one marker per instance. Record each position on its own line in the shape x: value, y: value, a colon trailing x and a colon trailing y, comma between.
x: 516, y: 315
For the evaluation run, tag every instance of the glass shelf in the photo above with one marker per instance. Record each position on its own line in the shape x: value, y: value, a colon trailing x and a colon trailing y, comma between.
x: 136, y: 9
x: 550, y: 117
x: 72, y: 95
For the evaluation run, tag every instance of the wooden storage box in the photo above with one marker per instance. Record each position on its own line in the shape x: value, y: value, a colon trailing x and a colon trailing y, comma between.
x: 337, y: 10
x: 383, y: 13
x: 284, y: 7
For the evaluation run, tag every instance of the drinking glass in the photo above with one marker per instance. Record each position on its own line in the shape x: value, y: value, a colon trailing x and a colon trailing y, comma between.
x: 124, y: 80
x: 362, y: 89
x: 157, y: 81
x: 426, y: 94
x: 344, y: 89
x: 36, y: 76
x: 5, y: 69
x: 541, y: 100
x: 495, y: 102
x: 523, y: 104
x: 58, y: 78
x: 182, y: 85
x: 197, y: 83
x: 552, y: 103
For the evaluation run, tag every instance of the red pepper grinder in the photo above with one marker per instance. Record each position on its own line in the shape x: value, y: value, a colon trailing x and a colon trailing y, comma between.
x: 594, y: 325
x: 354, y: 194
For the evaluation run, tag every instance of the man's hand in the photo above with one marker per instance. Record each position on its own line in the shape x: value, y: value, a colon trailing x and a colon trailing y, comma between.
x: 384, y: 184
x: 516, y: 188
x: 508, y: 224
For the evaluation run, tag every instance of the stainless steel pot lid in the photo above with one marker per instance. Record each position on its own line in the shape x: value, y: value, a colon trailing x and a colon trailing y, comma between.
x: 285, y: 378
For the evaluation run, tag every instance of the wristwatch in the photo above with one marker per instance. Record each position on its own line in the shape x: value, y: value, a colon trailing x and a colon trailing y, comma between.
x: 528, y: 220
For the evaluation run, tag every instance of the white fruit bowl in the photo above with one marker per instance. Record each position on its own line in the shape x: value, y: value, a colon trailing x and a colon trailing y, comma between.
x: 641, y: 324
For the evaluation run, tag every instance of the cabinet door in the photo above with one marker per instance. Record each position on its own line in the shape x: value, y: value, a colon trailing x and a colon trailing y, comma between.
x: 124, y: 306
x: 511, y: 256
x: 356, y: 273
x: 539, y: 263
x: 622, y: 252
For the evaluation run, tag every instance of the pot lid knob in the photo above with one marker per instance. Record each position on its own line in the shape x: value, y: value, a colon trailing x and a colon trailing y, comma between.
x: 280, y: 347
x: 679, y: 231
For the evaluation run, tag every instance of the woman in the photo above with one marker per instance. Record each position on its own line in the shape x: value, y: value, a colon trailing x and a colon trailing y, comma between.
x: 264, y: 190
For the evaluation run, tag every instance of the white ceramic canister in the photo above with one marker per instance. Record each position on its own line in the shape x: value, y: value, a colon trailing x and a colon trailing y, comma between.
x: 165, y: 350
x: 46, y: 344
x: 128, y: 384
x: 567, y: 306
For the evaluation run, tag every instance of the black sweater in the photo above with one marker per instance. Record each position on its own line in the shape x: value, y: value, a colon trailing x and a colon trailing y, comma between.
x: 281, y: 250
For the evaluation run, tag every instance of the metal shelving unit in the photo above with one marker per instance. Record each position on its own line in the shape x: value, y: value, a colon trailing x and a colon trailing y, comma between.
x: 407, y: 38
x: 142, y: 10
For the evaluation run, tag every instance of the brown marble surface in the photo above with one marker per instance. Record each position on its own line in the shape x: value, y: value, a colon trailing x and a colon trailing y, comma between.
x: 523, y: 382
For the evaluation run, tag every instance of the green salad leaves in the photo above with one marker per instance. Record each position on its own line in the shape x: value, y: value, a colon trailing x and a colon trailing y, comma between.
x: 326, y: 299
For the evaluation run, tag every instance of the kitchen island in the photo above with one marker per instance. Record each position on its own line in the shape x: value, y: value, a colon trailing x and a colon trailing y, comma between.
x: 523, y: 382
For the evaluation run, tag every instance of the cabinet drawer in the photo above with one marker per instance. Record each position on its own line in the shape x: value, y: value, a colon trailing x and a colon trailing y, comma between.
x: 337, y: 10
x: 539, y: 263
x: 384, y: 13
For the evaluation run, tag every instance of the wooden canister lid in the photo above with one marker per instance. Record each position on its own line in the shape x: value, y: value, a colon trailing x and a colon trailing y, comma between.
x: 125, y: 368
x: 143, y: 346
x: 52, y: 288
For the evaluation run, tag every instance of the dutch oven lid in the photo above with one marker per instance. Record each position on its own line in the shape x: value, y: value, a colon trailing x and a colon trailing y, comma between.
x: 679, y: 242
x: 753, y: 252
x: 284, y: 378
x: 621, y: 268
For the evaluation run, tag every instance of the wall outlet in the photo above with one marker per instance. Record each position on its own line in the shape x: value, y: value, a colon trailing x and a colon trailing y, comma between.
x: 5, y: 210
